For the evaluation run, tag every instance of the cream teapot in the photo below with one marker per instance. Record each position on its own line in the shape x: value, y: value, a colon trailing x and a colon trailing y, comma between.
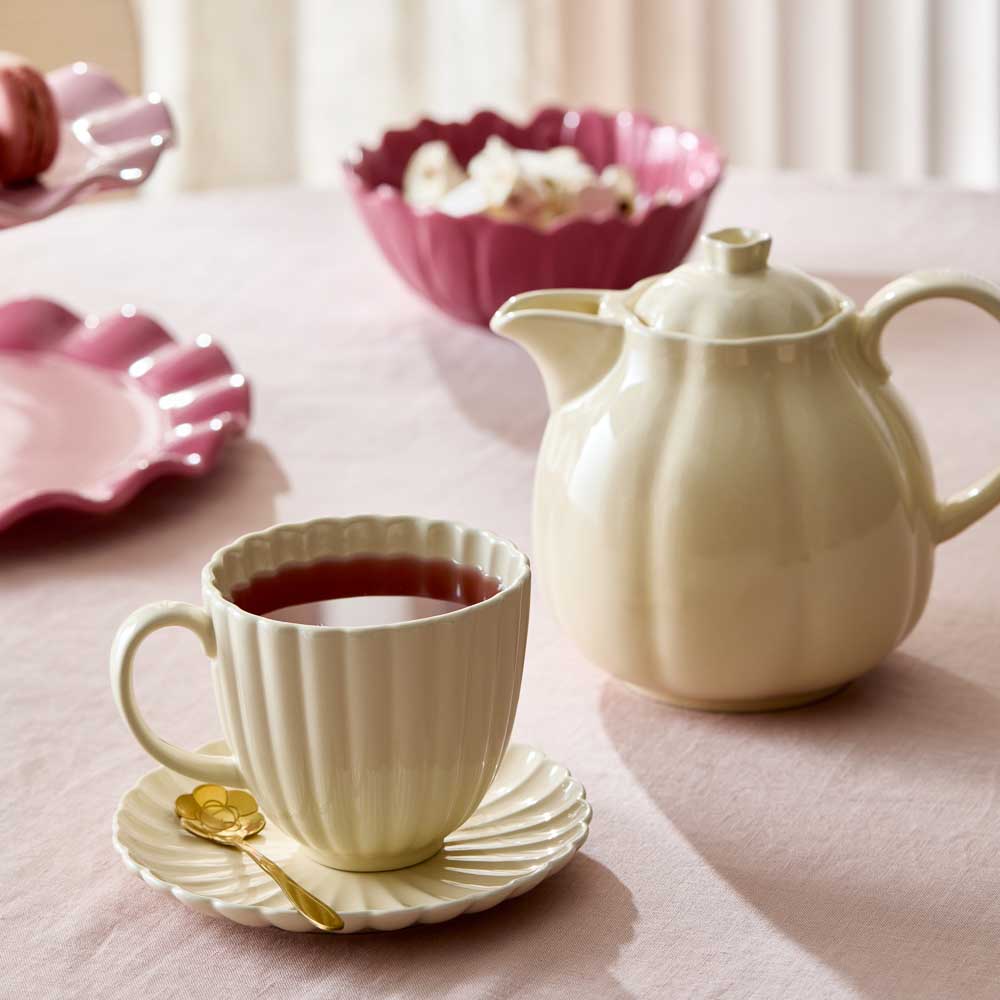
x: 734, y: 510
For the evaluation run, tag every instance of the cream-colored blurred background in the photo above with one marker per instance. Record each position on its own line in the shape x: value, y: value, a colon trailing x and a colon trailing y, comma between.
x: 274, y: 91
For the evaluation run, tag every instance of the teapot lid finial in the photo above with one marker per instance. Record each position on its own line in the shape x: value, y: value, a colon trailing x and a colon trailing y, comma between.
x: 737, y: 250
x: 734, y: 293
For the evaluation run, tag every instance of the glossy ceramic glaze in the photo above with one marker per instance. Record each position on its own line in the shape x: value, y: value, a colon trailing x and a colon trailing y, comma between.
x: 729, y: 517
x: 530, y: 823
x: 469, y: 266
x: 109, y: 140
x: 367, y: 745
x: 93, y: 409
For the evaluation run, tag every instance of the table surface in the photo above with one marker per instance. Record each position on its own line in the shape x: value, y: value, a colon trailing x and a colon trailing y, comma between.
x: 846, y: 849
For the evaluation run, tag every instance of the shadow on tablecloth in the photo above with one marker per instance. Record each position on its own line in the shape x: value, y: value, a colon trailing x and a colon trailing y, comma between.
x: 493, y: 383
x: 863, y: 827
x: 561, y: 939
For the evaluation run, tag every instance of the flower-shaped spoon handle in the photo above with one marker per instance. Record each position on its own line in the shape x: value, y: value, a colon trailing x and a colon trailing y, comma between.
x: 228, y: 816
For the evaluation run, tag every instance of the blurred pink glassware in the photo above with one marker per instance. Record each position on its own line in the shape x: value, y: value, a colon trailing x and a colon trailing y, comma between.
x: 92, y: 410
x: 109, y: 140
x: 470, y: 266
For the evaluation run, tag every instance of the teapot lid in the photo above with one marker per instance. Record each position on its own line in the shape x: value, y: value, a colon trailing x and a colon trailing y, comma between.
x: 734, y: 294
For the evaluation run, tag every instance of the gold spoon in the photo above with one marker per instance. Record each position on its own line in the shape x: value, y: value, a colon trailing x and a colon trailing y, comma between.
x: 228, y: 816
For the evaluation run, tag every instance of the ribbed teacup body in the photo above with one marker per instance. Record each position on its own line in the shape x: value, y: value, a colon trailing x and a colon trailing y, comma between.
x: 369, y: 745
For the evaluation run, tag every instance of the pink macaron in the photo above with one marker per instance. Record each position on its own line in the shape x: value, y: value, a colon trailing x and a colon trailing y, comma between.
x: 29, y: 124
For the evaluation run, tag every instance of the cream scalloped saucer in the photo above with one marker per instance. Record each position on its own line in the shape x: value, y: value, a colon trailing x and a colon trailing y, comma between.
x: 532, y: 821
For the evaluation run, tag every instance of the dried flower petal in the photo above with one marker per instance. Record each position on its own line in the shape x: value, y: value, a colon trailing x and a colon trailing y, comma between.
x: 431, y: 173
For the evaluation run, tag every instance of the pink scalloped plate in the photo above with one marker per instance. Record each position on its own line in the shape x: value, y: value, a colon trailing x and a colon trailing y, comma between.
x: 470, y: 266
x: 109, y: 140
x: 91, y: 410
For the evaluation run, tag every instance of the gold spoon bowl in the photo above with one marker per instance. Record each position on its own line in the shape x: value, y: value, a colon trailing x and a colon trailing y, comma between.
x: 228, y: 816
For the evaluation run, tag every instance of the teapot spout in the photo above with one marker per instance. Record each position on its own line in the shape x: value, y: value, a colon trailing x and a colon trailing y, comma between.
x: 573, y: 346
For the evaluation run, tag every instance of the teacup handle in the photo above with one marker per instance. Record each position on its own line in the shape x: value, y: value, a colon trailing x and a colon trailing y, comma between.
x: 135, y: 628
x: 963, y: 508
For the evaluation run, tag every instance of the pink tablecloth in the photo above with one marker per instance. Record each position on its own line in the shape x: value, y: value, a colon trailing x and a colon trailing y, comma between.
x: 849, y: 849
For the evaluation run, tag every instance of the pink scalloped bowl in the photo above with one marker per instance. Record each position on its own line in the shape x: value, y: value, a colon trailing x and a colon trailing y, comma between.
x: 109, y: 140
x: 91, y: 410
x: 470, y: 266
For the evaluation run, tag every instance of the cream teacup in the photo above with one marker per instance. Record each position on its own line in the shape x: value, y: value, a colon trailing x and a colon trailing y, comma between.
x: 367, y: 745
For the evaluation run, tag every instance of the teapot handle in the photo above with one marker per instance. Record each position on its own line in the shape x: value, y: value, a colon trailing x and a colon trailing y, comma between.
x: 960, y: 510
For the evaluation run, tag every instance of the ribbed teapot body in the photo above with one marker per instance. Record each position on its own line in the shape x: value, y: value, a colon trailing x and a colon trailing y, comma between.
x: 738, y: 524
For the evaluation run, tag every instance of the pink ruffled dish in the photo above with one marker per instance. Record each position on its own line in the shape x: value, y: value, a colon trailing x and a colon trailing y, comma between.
x: 470, y: 266
x: 93, y: 410
x: 109, y: 140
